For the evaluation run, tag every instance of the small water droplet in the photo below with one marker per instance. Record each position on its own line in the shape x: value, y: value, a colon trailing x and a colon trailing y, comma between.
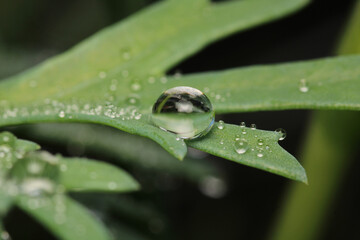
x: 267, y: 147
x: 242, y: 124
x: 62, y: 114
x: 221, y: 142
x: 260, y: 154
x: 303, y: 86
x: 185, y: 111
x: 135, y: 86
x: 253, y: 126
x: 243, y: 131
x: 260, y: 142
x: 102, y: 75
x: 133, y: 100
x: 220, y: 125
x: 282, y: 133
x: 241, y: 146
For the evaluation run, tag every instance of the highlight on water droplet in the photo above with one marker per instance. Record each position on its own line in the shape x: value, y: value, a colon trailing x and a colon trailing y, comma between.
x: 253, y: 126
x: 282, y: 133
x: 303, y: 86
x: 260, y: 154
x: 242, y: 124
x: 133, y: 99
x: 184, y: 111
x: 220, y: 125
x: 241, y: 146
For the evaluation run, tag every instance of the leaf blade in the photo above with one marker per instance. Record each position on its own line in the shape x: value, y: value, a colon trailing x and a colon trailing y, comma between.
x: 74, y: 223
x: 88, y: 175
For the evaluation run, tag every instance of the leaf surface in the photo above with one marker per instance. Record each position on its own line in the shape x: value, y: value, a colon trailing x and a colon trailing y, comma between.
x: 88, y: 175
x: 65, y: 218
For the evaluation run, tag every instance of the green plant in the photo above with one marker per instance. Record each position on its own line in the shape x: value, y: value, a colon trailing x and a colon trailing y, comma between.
x: 114, y: 77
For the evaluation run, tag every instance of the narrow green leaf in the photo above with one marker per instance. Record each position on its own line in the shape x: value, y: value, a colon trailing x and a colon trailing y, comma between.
x: 333, y: 83
x: 93, y: 81
x: 263, y: 151
x: 5, y: 201
x: 87, y: 175
x: 64, y: 217
x: 126, y: 149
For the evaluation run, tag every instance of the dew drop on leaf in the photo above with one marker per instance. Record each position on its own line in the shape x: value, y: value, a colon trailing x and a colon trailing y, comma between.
x: 185, y: 111
x: 242, y: 124
x: 220, y: 125
x: 241, y: 146
x: 303, y: 86
x: 253, y: 126
x: 282, y: 133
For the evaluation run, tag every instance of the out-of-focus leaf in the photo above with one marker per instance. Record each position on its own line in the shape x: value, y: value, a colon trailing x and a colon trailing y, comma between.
x: 88, y: 175
x: 64, y: 217
x: 127, y: 149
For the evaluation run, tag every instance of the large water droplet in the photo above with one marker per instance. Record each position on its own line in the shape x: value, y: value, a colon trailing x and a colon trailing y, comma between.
x: 185, y: 111
x: 241, y: 146
x: 220, y: 125
x: 303, y: 86
x: 282, y: 133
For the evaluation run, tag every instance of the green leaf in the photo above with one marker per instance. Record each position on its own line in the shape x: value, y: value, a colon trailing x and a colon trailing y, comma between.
x: 333, y: 83
x: 87, y: 175
x: 126, y: 149
x: 263, y: 151
x: 64, y: 217
x: 5, y: 201
x: 81, y: 85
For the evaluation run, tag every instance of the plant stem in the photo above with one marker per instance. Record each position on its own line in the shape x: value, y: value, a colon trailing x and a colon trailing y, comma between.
x: 329, y: 147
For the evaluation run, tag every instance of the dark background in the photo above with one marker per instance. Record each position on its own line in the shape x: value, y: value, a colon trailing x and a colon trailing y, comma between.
x: 33, y: 30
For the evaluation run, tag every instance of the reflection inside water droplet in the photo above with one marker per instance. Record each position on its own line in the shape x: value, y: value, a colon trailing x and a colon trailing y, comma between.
x: 185, y: 111
x: 241, y: 146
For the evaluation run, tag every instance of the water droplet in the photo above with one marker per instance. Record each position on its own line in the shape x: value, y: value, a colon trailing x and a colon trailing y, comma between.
x: 102, y: 75
x: 220, y: 125
x: 62, y: 114
x: 243, y: 131
x: 282, y: 133
x: 133, y: 100
x: 303, y: 86
x: 241, y: 146
x: 253, y: 126
x: 260, y: 154
x: 185, y: 111
x: 221, y: 141
x: 267, y: 147
x: 242, y: 124
x: 135, y: 86
x: 260, y: 142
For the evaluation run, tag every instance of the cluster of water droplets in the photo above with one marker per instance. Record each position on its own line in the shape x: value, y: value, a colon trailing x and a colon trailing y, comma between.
x: 242, y: 143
